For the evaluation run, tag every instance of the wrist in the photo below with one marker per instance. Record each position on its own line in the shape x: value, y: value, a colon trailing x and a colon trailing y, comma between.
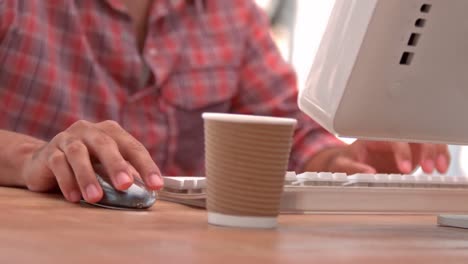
x: 16, y: 149
x: 25, y: 153
x: 20, y: 156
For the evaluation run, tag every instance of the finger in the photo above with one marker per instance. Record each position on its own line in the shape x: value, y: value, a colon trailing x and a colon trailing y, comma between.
x: 136, y: 176
x: 134, y: 152
x: 100, y: 170
x: 403, y: 156
x: 350, y: 166
x: 133, y: 171
x: 443, y: 158
x: 358, y: 150
x: 59, y: 166
x: 140, y: 158
x: 77, y: 156
x: 427, y: 156
x: 105, y: 149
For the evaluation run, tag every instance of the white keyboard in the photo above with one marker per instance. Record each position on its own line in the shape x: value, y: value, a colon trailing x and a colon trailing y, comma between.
x: 313, y: 192
x: 185, y: 184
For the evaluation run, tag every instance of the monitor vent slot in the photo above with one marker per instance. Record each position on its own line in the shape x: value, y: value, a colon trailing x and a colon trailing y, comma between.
x: 415, y: 37
x: 426, y: 8
x: 406, y: 58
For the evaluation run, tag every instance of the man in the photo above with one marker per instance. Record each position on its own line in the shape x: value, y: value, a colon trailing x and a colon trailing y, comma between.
x: 153, y: 67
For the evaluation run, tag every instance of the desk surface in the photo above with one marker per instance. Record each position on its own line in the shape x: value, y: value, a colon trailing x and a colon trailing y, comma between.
x: 41, y: 228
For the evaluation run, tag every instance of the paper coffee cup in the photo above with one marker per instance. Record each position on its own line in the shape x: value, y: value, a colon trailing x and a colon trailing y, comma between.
x: 246, y: 158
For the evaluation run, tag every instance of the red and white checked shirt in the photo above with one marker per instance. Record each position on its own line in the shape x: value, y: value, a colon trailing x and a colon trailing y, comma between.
x: 66, y: 60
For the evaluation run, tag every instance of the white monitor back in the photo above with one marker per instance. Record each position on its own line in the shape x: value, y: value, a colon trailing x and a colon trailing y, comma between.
x: 392, y: 70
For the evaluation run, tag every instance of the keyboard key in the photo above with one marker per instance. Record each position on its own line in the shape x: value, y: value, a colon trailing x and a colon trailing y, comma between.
x: 184, y: 183
x: 290, y: 177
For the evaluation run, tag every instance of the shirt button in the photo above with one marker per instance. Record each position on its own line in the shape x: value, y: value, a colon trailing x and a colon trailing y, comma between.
x: 153, y: 52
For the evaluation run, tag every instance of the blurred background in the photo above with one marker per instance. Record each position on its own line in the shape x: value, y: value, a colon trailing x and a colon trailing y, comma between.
x: 297, y: 27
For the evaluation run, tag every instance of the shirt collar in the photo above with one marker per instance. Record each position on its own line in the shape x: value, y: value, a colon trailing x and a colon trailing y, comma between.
x: 117, y: 5
x: 159, y: 7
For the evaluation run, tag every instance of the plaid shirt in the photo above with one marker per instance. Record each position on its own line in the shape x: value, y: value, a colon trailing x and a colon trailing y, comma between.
x: 67, y: 60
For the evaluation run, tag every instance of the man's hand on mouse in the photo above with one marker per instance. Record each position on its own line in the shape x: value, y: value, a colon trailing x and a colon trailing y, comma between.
x: 67, y: 161
x: 381, y: 157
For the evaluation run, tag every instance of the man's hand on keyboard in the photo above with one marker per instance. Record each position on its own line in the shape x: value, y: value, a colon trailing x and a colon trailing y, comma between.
x: 383, y: 157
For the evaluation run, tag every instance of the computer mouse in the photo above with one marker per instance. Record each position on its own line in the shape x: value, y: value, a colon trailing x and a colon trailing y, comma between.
x: 137, y: 196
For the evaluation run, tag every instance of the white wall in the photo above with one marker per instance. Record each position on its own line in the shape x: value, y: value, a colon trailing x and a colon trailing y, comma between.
x: 311, y: 20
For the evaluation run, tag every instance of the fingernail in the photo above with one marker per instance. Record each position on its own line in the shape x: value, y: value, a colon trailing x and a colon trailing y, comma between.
x: 155, y: 181
x: 123, y: 179
x: 442, y: 161
x: 75, y: 196
x: 92, y: 192
x: 429, y: 165
x: 405, y: 166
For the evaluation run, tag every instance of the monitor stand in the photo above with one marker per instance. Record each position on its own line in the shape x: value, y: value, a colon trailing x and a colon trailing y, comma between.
x: 460, y: 221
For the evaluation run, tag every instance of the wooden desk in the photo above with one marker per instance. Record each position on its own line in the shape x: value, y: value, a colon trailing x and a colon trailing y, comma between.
x: 40, y: 228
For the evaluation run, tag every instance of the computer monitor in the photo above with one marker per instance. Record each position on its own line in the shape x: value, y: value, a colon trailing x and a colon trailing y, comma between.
x: 392, y: 70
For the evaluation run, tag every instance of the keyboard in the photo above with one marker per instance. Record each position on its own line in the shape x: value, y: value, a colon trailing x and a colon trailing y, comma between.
x: 325, y: 192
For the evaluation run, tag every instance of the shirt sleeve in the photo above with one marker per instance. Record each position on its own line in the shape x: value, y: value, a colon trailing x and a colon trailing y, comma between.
x: 268, y: 86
